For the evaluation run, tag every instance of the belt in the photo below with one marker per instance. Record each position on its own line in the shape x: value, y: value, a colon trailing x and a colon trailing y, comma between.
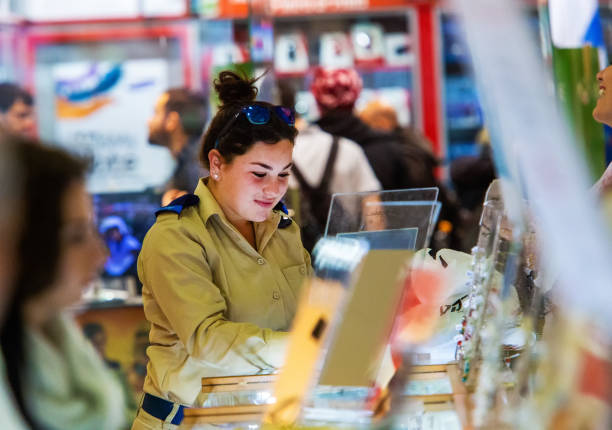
x: 161, y: 408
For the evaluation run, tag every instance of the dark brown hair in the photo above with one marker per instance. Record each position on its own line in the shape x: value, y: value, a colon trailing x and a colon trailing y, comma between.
x: 190, y: 107
x: 236, y: 92
x: 46, y: 174
x: 11, y: 93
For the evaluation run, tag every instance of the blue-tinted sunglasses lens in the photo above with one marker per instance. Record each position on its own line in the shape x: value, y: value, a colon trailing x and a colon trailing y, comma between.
x: 286, y: 114
x: 257, y: 114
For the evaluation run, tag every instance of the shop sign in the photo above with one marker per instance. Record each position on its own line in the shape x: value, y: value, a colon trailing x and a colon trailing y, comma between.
x: 70, y: 10
x: 101, y: 111
x: 298, y: 7
x: 239, y: 8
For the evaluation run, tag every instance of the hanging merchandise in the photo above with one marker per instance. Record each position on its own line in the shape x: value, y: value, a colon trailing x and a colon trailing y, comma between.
x: 262, y: 41
x: 228, y: 53
x: 291, y: 53
x: 398, y: 51
x: 335, y: 50
x: 368, y: 43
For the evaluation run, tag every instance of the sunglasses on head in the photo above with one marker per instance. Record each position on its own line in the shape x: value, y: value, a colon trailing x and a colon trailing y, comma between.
x: 258, y: 115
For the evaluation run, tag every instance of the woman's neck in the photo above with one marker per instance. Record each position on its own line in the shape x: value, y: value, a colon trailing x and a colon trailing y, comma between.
x: 37, y: 316
x: 244, y: 226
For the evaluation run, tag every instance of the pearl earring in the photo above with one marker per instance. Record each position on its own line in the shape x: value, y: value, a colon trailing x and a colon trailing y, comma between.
x: 216, y: 177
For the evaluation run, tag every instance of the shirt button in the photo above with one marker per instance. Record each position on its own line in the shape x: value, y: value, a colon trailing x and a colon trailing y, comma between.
x: 260, y: 261
x: 276, y: 295
x: 303, y: 270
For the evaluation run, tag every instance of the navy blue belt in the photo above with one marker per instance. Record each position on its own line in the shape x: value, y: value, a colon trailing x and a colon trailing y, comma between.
x: 161, y: 408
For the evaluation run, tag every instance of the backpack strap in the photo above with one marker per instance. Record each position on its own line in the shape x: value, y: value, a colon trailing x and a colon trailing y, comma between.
x: 327, y: 172
x: 304, y: 185
x: 329, y: 167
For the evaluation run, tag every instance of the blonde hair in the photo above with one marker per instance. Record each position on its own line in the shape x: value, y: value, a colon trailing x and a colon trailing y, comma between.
x: 379, y: 115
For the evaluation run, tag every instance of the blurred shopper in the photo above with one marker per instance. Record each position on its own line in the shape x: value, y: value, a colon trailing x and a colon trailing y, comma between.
x: 57, y: 379
x: 177, y: 124
x: 9, y: 226
x: 471, y: 177
x: 335, y: 92
x: 322, y: 165
x: 222, y: 268
x: 17, y: 110
x: 421, y: 163
x: 416, y: 151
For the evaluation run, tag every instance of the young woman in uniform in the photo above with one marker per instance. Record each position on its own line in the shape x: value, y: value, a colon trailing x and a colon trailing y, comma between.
x: 222, y: 268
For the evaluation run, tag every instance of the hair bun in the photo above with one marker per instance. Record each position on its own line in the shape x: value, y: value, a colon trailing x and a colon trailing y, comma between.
x: 234, y: 89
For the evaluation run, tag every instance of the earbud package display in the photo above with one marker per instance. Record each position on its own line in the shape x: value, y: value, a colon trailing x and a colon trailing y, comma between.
x: 228, y: 53
x: 335, y: 50
x: 398, y: 49
x: 291, y: 53
x: 368, y: 43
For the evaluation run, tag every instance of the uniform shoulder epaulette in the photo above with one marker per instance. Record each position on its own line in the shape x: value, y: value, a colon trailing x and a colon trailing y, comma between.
x: 177, y: 205
x: 285, y: 221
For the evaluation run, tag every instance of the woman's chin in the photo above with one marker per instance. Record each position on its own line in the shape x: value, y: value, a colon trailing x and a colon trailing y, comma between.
x: 260, y: 215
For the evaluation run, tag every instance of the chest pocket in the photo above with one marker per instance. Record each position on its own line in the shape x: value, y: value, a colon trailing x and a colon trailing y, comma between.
x: 295, y: 276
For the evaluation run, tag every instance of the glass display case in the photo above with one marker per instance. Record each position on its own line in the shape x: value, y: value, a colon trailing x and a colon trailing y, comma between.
x: 400, y: 219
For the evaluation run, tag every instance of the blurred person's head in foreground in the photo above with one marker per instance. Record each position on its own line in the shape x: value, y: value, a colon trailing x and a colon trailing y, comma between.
x: 379, y: 116
x: 9, y: 224
x: 179, y: 115
x: 17, y: 110
x: 58, y: 249
x: 335, y: 89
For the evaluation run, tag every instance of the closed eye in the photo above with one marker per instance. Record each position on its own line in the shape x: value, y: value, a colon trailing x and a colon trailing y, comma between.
x: 284, y: 175
x: 259, y: 175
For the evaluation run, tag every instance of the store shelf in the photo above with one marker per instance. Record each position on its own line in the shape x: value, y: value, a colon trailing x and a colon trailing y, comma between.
x: 362, y: 69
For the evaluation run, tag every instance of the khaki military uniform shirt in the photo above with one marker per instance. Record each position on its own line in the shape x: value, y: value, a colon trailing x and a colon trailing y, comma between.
x: 217, y: 307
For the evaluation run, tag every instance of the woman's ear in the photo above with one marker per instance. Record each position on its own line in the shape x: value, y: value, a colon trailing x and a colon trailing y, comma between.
x: 172, y: 121
x: 216, y: 161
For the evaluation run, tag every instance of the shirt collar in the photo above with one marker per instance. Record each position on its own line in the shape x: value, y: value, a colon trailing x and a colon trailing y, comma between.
x: 208, y: 206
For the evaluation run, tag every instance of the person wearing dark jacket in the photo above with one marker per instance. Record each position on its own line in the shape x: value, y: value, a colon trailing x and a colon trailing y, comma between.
x: 336, y: 92
x: 417, y: 151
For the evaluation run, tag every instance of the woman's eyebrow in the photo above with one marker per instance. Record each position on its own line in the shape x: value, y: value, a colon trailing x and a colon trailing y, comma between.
x: 265, y: 166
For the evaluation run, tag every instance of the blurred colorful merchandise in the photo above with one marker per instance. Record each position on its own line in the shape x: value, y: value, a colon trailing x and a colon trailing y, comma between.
x: 120, y: 334
x: 122, y: 246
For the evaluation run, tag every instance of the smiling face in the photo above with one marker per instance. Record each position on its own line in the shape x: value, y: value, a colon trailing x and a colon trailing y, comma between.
x: 249, y: 187
x: 603, y: 109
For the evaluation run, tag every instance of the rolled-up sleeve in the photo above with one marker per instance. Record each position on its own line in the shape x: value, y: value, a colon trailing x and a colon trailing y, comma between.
x: 173, y: 267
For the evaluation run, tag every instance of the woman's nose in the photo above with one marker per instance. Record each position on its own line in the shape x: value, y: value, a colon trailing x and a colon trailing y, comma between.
x: 272, y: 187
